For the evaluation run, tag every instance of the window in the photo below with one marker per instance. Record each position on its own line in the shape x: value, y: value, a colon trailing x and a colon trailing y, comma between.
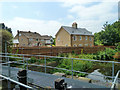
x: 86, y: 44
x: 74, y: 38
x: 90, y: 45
x: 58, y: 38
x: 80, y: 37
x: 42, y: 39
x: 80, y: 45
x: 90, y: 38
x: 20, y: 34
x: 30, y: 39
x: 66, y: 45
x: 75, y: 45
x: 85, y: 37
x: 37, y: 39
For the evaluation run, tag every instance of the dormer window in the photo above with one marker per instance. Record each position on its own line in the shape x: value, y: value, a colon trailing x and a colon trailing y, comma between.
x: 20, y: 34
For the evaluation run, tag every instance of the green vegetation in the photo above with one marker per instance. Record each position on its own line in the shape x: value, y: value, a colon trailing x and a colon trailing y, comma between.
x: 6, y: 37
x: 107, y: 54
x: 110, y: 35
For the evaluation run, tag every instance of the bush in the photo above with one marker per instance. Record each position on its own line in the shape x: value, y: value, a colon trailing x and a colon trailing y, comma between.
x: 32, y: 60
x: 107, y: 54
x: 78, y: 65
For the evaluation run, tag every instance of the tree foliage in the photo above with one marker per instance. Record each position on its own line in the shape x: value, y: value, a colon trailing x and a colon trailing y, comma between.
x: 110, y: 35
x: 5, y: 37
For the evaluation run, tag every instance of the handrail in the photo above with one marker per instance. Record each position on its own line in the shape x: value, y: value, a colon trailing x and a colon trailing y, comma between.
x: 62, y: 57
x: 114, y: 82
x: 27, y: 59
x: 21, y: 84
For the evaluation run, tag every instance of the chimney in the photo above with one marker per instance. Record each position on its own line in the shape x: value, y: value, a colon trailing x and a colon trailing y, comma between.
x: 18, y: 34
x: 74, y: 25
x: 18, y: 31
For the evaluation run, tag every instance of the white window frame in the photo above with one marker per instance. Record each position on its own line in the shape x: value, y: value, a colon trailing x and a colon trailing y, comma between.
x: 30, y: 39
x: 80, y: 37
x: 74, y: 38
x: 74, y: 45
x: 90, y: 38
x: 80, y: 45
x: 58, y: 38
x: 86, y: 44
x: 90, y: 45
x: 19, y: 34
x: 66, y: 45
x: 86, y: 37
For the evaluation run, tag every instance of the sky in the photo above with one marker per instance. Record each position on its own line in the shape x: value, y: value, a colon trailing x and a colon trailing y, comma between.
x: 47, y: 16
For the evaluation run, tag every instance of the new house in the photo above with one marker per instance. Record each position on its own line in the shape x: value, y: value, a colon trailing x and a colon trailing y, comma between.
x: 29, y: 39
x: 74, y: 36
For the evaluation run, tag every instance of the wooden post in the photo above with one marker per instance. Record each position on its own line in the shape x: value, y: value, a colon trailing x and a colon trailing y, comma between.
x: 22, y: 78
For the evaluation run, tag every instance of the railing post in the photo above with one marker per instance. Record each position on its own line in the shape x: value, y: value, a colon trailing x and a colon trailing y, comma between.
x: 26, y: 64
x: 9, y: 83
x: 24, y: 61
x: 72, y: 68
x: 45, y: 63
x: 22, y: 78
x: 112, y: 71
x: 6, y: 50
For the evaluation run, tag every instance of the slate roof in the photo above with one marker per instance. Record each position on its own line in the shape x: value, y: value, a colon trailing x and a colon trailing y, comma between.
x: 30, y: 34
x: 78, y: 31
x: 36, y: 35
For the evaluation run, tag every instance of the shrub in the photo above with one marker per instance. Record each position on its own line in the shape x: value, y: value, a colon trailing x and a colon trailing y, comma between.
x: 107, y: 54
x: 32, y: 60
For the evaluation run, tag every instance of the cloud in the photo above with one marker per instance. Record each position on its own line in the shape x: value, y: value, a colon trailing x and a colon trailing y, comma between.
x: 15, y: 7
x: 31, y: 0
x: 70, y: 17
x: 41, y: 26
x: 95, y: 11
x: 69, y: 3
x: 93, y: 17
x: 0, y: 12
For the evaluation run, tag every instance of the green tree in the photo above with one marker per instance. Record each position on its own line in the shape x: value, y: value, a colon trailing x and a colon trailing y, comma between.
x: 5, y: 37
x: 110, y: 35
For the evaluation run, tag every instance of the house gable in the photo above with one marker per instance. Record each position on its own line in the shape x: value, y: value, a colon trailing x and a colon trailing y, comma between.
x: 63, y: 38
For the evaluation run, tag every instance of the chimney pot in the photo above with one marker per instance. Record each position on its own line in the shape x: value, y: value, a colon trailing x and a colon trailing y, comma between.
x: 74, y: 25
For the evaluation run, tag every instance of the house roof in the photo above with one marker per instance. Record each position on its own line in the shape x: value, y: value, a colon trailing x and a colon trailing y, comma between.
x: 36, y: 35
x: 46, y: 37
x: 30, y: 34
x: 78, y: 31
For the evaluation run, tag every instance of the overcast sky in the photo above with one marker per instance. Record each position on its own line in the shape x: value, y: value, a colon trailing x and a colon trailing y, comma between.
x: 47, y: 16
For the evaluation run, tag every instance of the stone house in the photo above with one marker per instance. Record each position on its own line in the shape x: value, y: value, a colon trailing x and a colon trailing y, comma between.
x: 74, y: 36
x: 29, y: 39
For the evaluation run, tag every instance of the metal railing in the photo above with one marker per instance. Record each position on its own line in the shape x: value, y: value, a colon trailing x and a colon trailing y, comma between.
x: 115, y: 81
x: 25, y: 61
x: 16, y: 82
